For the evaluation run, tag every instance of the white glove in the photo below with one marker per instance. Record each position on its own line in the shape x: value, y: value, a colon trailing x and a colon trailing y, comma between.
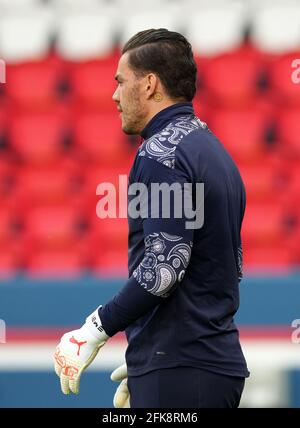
x: 122, y: 396
x: 76, y: 350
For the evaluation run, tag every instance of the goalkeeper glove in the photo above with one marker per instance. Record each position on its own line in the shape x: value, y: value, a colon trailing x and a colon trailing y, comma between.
x: 76, y: 350
x: 122, y: 396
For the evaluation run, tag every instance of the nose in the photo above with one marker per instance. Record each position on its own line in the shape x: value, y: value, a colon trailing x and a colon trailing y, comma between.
x: 115, y: 96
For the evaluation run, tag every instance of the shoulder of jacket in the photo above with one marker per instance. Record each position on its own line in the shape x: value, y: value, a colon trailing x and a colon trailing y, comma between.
x: 162, y: 146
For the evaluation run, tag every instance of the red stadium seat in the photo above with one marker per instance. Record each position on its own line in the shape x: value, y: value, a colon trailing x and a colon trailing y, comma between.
x: 99, y: 137
x: 3, y: 118
x: 8, y: 263
x: 7, y: 173
x: 107, y: 173
x: 263, y: 224
x: 37, y: 138
x: 242, y: 131
x: 93, y: 82
x: 294, y: 243
x: 231, y: 79
x: 48, y: 185
x: 201, y: 104
x: 66, y: 263
x: 281, y: 73
x: 291, y: 195
x: 289, y: 130
x: 6, y: 225
x: 53, y: 227
x: 11, y: 244
x: 262, y: 179
x: 112, y: 262
x: 111, y: 233
x: 267, y: 256
x: 34, y: 84
x: 94, y: 176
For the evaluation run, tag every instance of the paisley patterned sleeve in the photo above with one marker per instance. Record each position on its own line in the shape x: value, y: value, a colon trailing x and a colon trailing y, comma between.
x: 167, y: 241
x: 165, y: 261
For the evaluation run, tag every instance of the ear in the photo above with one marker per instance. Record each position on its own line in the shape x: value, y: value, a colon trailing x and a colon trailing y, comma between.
x: 151, y: 84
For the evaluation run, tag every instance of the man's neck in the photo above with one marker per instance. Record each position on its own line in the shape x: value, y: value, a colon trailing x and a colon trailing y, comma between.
x: 157, y: 107
x: 165, y: 116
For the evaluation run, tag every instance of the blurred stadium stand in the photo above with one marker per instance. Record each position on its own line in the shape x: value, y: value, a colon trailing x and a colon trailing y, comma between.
x: 60, y: 134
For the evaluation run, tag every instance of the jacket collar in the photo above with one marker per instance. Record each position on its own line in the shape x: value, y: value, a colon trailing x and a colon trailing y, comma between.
x: 166, y: 116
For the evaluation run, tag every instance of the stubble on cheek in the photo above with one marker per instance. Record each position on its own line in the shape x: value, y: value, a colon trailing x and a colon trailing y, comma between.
x: 133, y: 112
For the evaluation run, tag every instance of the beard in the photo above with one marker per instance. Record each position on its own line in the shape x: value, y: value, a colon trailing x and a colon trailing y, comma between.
x: 133, y: 113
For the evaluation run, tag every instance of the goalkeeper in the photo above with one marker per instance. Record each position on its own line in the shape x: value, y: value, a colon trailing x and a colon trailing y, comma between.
x: 177, y: 306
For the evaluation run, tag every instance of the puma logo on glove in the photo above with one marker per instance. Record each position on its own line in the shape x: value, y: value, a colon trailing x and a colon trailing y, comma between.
x: 73, y: 340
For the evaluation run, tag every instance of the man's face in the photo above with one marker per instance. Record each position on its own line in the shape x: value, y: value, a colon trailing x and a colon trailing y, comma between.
x: 129, y: 98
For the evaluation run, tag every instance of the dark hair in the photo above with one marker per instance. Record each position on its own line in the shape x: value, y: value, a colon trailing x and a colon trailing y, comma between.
x: 169, y: 55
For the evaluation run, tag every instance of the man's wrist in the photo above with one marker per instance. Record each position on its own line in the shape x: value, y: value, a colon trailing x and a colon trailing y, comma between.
x: 94, y: 325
